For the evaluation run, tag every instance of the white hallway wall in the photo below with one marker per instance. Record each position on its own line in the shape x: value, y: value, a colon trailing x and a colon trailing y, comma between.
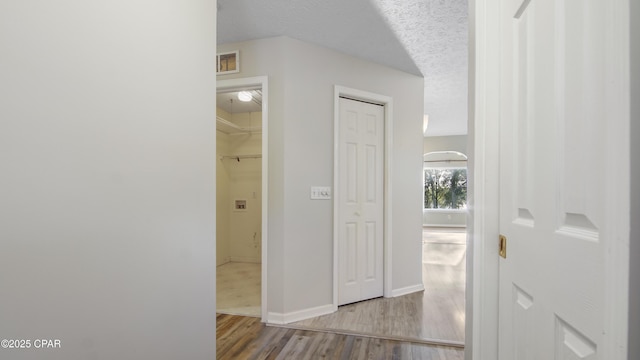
x: 107, y: 217
x: 446, y: 143
x: 634, y: 290
x: 301, y: 89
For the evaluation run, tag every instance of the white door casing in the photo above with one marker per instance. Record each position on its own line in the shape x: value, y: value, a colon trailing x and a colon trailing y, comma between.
x: 562, y: 180
x: 360, y: 201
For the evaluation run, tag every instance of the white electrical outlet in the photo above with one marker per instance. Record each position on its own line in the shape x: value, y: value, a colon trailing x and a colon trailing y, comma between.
x: 320, y: 193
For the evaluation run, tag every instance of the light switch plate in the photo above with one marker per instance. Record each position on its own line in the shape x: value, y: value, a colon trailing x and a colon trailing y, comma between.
x: 320, y: 193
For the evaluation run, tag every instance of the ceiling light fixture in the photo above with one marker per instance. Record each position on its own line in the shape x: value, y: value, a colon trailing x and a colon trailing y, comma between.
x: 244, y: 96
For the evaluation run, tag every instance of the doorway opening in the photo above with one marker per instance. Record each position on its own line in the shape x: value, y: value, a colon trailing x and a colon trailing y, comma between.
x: 241, y: 196
x: 444, y: 233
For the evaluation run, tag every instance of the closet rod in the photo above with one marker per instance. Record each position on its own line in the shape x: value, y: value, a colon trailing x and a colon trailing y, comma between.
x: 239, y: 157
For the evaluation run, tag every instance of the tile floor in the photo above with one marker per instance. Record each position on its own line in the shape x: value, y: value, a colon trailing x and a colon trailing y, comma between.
x: 238, y: 289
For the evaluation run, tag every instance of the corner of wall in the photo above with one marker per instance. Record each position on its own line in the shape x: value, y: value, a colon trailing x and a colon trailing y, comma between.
x: 407, y: 290
x: 287, y: 318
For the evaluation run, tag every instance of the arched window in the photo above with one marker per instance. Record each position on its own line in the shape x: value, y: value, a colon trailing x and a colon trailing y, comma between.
x: 445, y: 180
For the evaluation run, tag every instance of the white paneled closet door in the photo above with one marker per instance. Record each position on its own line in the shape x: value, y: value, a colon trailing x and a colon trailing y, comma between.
x: 361, y: 201
x: 556, y: 156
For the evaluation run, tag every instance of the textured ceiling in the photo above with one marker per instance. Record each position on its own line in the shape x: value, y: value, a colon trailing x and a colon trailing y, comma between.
x: 435, y: 34
x: 421, y: 37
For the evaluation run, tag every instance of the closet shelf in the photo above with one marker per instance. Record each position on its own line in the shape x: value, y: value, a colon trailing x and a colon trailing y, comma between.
x: 228, y: 127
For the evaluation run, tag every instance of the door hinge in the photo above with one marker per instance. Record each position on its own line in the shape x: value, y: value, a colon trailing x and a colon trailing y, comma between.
x: 503, y: 246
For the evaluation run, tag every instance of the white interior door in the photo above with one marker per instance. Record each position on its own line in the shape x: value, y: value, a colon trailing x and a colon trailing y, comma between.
x: 361, y: 201
x: 554, y: 183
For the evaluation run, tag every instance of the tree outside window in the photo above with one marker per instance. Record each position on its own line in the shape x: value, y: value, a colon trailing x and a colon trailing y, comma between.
x: 445, y: 188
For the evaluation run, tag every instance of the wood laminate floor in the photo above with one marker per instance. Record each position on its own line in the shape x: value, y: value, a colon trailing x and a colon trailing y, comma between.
x: 435, y: 314
x: 240, y: 337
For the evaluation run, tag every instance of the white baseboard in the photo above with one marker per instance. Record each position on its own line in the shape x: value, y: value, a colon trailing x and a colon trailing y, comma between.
x: 445, y: 225
x: 407, y: 290
x: 245, y: 259
x: 281, y: 319
x: 275, y: 318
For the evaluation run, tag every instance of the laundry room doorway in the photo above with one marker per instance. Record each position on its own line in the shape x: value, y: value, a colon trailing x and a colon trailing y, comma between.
x: 241, y: 196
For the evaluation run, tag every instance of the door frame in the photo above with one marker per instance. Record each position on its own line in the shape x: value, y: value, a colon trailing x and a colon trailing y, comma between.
x: 481, y: 320
x: 387, y: 103
x: 261, y: 81
x: 482, y: 304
